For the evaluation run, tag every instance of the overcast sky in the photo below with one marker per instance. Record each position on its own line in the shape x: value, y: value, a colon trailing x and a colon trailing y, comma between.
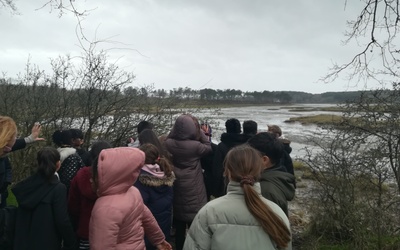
x: 252, y: 45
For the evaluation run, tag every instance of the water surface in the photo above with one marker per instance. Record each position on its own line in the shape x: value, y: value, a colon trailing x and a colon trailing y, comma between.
x: 297, y: 133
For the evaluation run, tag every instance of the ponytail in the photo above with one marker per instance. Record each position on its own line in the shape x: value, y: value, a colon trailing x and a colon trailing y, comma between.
x: 243, y: 164
x: 165, y: 165
x: 270, y: 222
x: 47, y: 159
x: 153, y: 157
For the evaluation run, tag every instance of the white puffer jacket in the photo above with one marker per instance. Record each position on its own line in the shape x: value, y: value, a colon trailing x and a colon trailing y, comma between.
x: 226, y: 223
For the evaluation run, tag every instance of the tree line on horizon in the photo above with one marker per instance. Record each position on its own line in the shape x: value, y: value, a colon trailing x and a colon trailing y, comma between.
x: 221, y: 95
x: 207, y: 94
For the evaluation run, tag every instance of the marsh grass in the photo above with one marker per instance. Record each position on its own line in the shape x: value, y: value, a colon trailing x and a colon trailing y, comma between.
x: 318, y: 119
x: 310, y: 109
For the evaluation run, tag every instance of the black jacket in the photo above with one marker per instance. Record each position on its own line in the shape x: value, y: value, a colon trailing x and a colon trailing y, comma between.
x: 85, y: 156
x: 5, y: 174
x: 42, y: 218
x: 228, y: 141
x: 5, y: 168
x: 207, y: 165
x: 286, y: 160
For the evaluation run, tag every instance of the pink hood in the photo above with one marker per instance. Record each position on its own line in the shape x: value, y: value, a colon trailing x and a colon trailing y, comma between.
x: 118, y: 169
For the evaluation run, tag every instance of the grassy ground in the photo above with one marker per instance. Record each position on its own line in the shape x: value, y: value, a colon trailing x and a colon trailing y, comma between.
x: 317, y: 119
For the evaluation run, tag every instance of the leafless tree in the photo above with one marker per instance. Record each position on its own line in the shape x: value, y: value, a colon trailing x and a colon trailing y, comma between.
x: 354, y: 199
x: 375, y: 30
x: 358, y: 168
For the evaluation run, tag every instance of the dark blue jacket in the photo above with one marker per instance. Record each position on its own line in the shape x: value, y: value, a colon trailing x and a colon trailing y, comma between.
x: 157, y: 195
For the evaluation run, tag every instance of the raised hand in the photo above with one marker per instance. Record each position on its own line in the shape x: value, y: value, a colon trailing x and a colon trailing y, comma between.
x: 36, y: 131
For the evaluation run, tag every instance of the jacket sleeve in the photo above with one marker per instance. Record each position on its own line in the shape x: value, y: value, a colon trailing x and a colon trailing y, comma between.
x: 204, y: 147
x: 151, y: 229
x: 61, y: 218
x: 20, y: 143
x: 104, y: 227
x: 199, y: 235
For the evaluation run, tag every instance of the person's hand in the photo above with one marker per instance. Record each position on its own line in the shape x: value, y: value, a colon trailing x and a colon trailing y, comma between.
x: 205, y: 128
x: 164, y: 246
x: 207, y: 131
x: 36, y: 131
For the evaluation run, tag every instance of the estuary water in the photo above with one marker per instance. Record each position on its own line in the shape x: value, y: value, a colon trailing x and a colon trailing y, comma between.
x: 297, y: 133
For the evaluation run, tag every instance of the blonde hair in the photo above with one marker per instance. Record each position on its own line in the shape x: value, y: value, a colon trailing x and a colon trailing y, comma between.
x: 243, y: 164
x: 8, y: 130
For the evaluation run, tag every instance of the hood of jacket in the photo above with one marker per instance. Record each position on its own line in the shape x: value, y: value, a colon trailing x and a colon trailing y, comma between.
x: 65, y: 152
x: 118, y: 169
x: 31, y: 191
x: 184, y: 129
x: 148, y: 179
x: 232, y: 140
x: 287, y: 147
x: 153, y: 169
x: 83, y: 176
x: 283, y: 181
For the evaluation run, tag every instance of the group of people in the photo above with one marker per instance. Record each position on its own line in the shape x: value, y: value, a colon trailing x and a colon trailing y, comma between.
x: 231, y: 195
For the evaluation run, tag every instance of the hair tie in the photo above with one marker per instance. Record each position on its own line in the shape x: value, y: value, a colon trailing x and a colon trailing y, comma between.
x: 247, y: 180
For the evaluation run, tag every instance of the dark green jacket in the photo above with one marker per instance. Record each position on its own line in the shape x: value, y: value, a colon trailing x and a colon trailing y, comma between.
x: 278, y: 187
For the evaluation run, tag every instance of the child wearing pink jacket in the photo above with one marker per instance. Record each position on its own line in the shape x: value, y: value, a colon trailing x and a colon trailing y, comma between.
x: 119, y: 218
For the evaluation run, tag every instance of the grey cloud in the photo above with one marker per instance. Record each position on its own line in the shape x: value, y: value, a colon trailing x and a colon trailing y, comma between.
x: 248, y: 45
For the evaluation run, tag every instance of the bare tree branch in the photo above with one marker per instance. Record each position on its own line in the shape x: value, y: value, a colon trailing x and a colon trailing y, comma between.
x: 375, y: 31
x: 9, y: 4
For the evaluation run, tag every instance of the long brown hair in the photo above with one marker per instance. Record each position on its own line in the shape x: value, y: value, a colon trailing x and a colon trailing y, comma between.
x: 243, y: 164
x: 153, y: 156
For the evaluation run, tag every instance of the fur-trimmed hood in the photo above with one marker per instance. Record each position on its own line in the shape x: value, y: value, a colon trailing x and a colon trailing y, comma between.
x: 148, y: 179
x: 65, y: 152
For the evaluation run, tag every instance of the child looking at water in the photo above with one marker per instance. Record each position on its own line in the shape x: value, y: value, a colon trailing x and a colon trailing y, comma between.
x: 42, y: 218
x: 71, y: 162
x: 81, y: 197
x: 187, y: 144
x: 119, y: 219
x: 241, y: 219
x: 155, y: 185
